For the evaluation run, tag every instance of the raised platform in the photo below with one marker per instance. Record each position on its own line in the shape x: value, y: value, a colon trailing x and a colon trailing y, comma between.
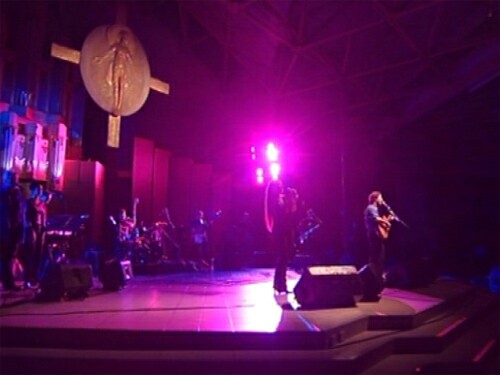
x: 232, y: 322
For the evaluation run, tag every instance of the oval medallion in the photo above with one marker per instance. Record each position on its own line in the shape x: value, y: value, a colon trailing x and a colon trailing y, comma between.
x: 115, y: 69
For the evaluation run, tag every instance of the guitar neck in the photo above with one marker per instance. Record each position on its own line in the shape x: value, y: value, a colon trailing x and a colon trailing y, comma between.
x: 134, y: 211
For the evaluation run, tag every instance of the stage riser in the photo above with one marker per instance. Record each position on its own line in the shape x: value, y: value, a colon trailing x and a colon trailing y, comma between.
x: 101, y: 339
x: 453, y: 318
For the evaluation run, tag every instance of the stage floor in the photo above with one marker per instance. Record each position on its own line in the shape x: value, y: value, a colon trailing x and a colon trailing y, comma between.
x: 227, y: 301
x: 237, y: 314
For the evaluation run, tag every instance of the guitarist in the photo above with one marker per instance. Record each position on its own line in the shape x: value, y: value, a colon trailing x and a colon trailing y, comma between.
x: 200, y: 228
x: 377, y: 229
x: 125, y: 231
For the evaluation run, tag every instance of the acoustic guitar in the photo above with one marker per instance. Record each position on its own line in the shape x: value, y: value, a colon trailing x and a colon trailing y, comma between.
x: 385, y: 226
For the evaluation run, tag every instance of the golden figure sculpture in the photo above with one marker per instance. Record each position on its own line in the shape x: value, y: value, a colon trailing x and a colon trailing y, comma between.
x: 115, y: 72
x: 119, y: 56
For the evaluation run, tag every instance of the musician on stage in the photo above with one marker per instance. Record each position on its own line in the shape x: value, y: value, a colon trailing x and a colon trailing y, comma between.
x: 11, y: 226
x: 35, y: 222
x: 125, y: 235
x: 377, y: 224
x: 126, y: 226
x: 282, y: 207
x: 199, y: 239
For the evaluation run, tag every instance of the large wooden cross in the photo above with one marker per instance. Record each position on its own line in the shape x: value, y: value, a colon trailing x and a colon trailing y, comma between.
x: 115, y: 71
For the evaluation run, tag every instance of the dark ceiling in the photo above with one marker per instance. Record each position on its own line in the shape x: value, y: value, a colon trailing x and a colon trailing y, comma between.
x: 396, y: 59
x: 239, y: 67
x: 296, y: 70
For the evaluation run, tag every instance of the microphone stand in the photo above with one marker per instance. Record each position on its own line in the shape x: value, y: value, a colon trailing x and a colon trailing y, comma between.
x: 396, y: 217
x: 401, y: 221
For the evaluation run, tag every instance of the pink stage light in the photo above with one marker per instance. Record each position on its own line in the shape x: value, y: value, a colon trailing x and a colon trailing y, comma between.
x: 272, y: 152
x: 259, y: 172
x: 274, y: 170
x: 252, y: 152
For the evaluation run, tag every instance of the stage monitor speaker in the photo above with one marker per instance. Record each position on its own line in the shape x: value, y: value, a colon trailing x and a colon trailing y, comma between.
x: 372, y: 285
x: 66, y: 281
x: 114, y: 274
x: 328, y: 286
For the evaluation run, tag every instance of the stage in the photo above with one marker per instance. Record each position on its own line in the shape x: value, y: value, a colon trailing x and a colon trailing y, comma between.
x: 233, y: 322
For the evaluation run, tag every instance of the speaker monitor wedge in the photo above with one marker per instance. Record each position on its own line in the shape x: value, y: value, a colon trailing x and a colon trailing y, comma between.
x: 66, y: 281
x: 328, y: 286
x: 114, y: 274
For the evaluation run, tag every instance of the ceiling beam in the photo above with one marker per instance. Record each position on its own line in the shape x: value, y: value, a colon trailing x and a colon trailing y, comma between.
x: 385, y: 68
x: 423, y: 54
x: 368, y: 26
x: 300, y: 37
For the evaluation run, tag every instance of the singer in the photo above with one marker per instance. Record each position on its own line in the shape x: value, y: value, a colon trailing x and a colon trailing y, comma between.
x: 282, y: 206
x: 377, y: 230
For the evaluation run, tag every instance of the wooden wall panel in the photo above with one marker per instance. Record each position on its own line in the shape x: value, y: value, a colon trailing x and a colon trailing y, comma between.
x: 179, y: 190
x: 201, y: 189
x: 160, y: 180
x: 83, y: 193
x: 221, y: 200
x: 142, y: 178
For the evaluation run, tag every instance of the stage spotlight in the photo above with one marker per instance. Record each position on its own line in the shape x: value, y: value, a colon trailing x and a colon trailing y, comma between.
x: 272, y: 152
x: 274, y: 170
x: 259, y: 173
x: 252, y: 152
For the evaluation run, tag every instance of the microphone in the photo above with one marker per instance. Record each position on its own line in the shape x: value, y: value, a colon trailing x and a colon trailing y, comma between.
x: 390, y: 211
x: 388, y: 208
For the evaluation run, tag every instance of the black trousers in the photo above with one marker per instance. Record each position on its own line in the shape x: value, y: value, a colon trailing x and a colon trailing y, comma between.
x: 33, y: 250
x: 8, y: 249
x: 377, y: 255
x: 283, y: 247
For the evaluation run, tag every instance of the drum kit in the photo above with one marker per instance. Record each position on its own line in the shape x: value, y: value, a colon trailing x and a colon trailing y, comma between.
x: 150, y: 245
x: 144, y: 245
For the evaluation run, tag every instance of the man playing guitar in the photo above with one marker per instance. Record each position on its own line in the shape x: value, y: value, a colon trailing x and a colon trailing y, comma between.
x: 200, y: 228
x: 377, y: 225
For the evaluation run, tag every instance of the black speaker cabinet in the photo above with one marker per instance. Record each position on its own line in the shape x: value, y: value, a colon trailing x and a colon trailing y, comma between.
x: 66, y: 281
x: 328, y: 286
x: 114, y: 274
